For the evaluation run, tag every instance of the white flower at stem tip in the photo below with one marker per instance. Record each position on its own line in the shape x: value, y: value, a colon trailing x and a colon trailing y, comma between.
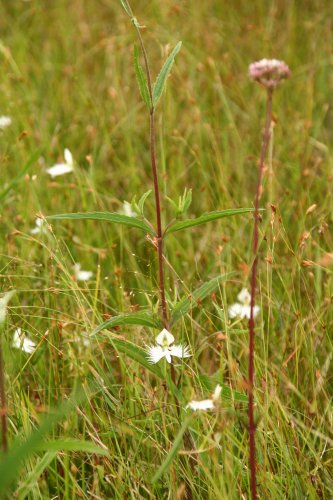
x: 81, y: 275
x: 62, y: 168
x: 206, y: 404
x: 166, y: 349
x: 20, y: 341
x: 242, y: 308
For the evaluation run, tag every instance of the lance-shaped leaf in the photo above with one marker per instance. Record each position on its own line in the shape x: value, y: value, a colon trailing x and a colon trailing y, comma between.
x: 164, y: 73
x: 208, y: 217
x: 124, y: 220
x: 200, y: 293
x: 173, y: 451
x: 141, y: 77
x: 126, y: 7
x: 141, y: 318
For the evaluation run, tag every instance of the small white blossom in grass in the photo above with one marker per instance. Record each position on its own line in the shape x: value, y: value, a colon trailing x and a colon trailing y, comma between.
x: 3, y: 305
x: 165, y: 348
x: 62, y: 168
x: 127, y: 209
x: 39, y: 226
x: 206, y: 404
x: 5, y: 121
x: 81, y: 275
x: 242, y: 308
x: 20, y: 341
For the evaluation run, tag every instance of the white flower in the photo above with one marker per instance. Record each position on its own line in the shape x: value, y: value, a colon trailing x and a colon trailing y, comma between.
x: 206, y: 404
x: 243, y: 307
x: 39, y: 226
x: 166, y: 349
x: 62, y: 168
x: 81, y: 275
x: 5, y: 121
x: 3, y: 305
x: 126, y: 209
x: 20, y: 341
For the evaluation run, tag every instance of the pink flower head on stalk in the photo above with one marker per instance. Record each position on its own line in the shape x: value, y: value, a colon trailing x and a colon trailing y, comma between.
x: 269, y: 72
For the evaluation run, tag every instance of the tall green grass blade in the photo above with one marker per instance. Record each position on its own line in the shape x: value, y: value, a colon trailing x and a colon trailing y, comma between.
x: 72, y: 445
x: 24, y: 489
x: 20, y: 450
x: 142, y: 80
x: 20, y: 174
x: 172, y: 453
x: 210, y: 216
x: 164, y: 73
x: 200, y: 293
x: 124, y: 220
x: 126, y: 7
x: 144, y: 319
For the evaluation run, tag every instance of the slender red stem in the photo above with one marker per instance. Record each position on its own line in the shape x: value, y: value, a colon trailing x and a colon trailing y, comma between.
x: 3, y: 406
x: 156, y: 187
x: 252, y: 424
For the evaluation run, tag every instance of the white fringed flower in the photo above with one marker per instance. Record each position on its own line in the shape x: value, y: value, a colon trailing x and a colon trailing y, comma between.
x: 20, y: 341
x: 5, y: 121
x: 166, y: 349
x: 206, y: 404
x: 62, y: 168
x: 242, y: 308
x: 81, y: 275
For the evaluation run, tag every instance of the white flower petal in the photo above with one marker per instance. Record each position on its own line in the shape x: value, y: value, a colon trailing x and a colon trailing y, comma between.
x: 38, y: 226
x: 20, y: 341
x: 3, y: 305
x: 127, y: 210
x: 234, y: 310
x: 59, y: 169
x: 244, y: 296
x: 180, y: 351
x: 5, y: 121
x: 81, y: 275
x: 205, y: 404
x: 217, y: 393
x: 167, y: 355
x: 165, y: 338
x: 68, y: 157
x: 155, y: 354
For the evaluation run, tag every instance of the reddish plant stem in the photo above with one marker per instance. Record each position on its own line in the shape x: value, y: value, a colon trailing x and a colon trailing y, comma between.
x: 3, y: 407
x: 156, y: 190
x: 252, y: 424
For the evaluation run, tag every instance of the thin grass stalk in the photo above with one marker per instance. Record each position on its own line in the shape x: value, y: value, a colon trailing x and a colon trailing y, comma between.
x: 3, y: 405
x: 252, y: 424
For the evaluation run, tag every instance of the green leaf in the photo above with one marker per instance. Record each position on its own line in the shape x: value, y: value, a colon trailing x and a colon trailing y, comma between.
x: 163, y: 75
x: 72, y: 445
x: 15, y: 180
x: 24, y: 489
x: 108, y: 217
x: 174, y: 449
x: 142, y: 80
x: 20, y: 450
x: 142, y: 201
x: 208, y: 217
x: 200, y: 293
x: 141, y: 318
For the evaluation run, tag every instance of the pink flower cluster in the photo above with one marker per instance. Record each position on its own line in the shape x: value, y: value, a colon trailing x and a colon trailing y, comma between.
x: 269, y: 72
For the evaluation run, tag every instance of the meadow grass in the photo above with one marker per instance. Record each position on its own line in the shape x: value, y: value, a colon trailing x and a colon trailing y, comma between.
x: 67, y: 80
